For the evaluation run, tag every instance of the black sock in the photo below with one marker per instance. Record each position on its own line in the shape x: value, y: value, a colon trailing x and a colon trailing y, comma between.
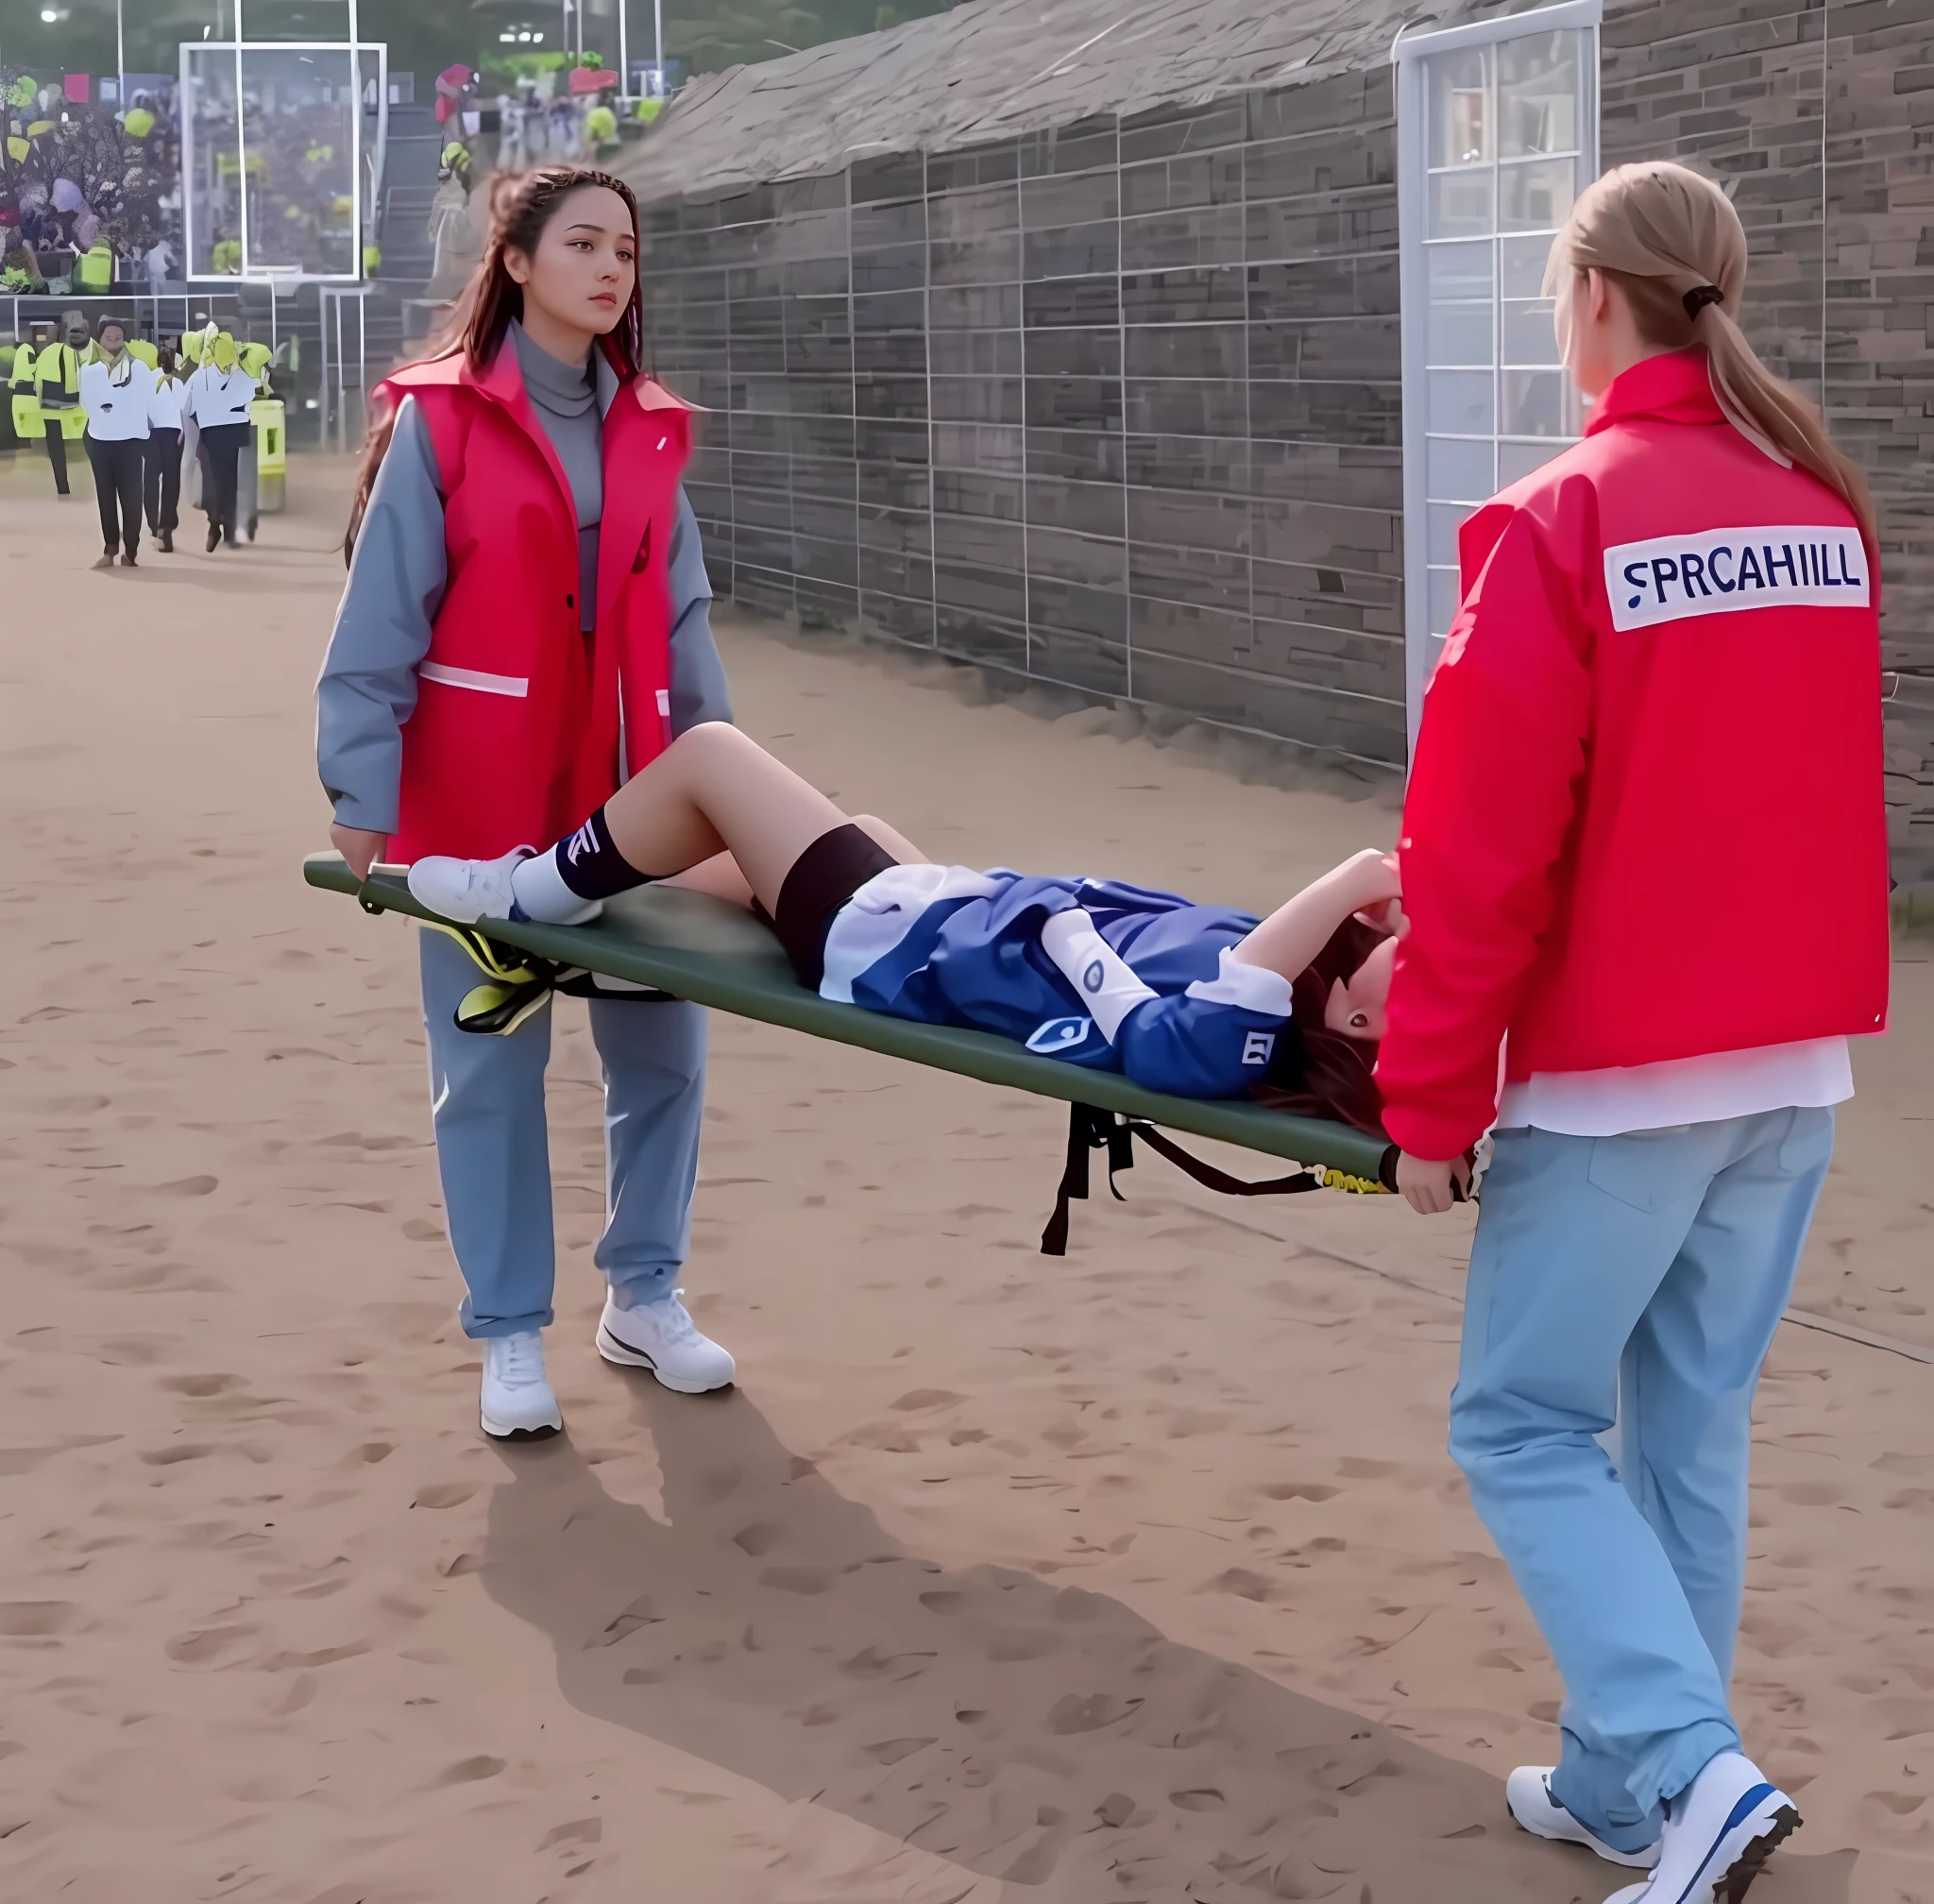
x: 591, y: 866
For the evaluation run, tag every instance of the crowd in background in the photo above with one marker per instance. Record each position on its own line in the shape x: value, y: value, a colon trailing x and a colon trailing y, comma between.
x: 532, y: 129
x: 90, y: 192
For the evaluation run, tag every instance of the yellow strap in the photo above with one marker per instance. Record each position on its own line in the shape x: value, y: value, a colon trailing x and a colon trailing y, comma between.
x: 512, y: 1005
x: 484, y: 952
x: 1333, y: 1179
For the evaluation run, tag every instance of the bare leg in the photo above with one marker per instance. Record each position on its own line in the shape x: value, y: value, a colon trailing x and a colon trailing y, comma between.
x: 720, y: 875
x: 714, y: 789
x: 896, y: 842
x: 719, y: 878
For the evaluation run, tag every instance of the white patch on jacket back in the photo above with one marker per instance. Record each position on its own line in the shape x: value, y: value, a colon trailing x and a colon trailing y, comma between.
x: 1719, y: 571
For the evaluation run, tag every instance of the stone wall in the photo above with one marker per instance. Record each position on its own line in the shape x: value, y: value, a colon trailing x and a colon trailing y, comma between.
x: 1116, y: 406
x: 1840, y: 210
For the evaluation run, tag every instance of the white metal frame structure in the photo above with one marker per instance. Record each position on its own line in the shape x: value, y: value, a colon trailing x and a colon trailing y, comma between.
x: 1498, y: 131
x: 353, y: 50
x: 624, y: 47
x: 342, y: 369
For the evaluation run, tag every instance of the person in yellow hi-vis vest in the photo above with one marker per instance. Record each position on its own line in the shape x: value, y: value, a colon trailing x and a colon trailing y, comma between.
x: 56, y: 387
x: 94, y: 270
x: 19, y: 386
x: 252, y: 359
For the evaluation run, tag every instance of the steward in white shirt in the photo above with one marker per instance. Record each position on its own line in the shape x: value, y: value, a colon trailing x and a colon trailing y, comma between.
x: 161, y: 465
x: 115, y: 393
x: 218, y: 397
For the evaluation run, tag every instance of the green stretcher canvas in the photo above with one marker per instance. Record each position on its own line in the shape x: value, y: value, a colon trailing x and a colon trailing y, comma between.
x: 701, y: 948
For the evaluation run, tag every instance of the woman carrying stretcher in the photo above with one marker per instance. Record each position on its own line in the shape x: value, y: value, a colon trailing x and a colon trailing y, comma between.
x: 527, y: 620
x: 1198, y: 1001
x: 1645, y: 847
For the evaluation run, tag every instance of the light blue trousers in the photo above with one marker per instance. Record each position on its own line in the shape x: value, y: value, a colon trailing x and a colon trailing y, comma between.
x: 1638, y: 1278
x: 486, y: 1098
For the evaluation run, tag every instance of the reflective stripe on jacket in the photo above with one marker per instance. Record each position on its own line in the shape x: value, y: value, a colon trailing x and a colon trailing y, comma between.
x: 524, y: 723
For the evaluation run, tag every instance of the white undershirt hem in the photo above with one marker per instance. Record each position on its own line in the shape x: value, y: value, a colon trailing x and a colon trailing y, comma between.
x: 1815, y: 1072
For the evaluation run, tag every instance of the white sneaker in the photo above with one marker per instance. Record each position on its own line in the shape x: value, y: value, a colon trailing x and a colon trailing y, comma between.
x: 465, y: 890
x: 517, y: 1403
x: 1720, y: 1832
x: 1528, y: 1791
x: 662, y: 1338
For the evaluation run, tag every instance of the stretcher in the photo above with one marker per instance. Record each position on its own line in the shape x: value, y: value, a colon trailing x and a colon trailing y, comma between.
x: 660, y: 942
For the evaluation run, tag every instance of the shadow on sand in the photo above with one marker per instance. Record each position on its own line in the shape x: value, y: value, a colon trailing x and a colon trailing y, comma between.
x: 1029, y: 1732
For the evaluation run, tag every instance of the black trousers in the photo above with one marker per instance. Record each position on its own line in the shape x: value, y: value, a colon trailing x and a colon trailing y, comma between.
x: 161, y: 477
x: 220, y: 451
x: 57, y: 454
x: 117, y: 489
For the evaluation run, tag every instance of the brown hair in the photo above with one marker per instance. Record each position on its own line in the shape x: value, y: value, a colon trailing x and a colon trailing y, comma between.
x: 523, y: 205
x: 1325, y: 1073
x: 1671, y: 242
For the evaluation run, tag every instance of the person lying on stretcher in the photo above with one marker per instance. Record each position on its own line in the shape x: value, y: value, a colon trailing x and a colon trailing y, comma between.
x: 1197, y: 1002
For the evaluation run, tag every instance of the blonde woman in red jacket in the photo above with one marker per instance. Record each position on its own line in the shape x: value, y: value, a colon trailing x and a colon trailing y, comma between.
x: 1643, y: 851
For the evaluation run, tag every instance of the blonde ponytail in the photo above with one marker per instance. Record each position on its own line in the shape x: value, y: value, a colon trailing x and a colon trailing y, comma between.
x: 1675, y: 246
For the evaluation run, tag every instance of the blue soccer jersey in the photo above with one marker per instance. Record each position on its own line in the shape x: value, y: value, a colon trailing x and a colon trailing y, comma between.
x: 1092, y: 972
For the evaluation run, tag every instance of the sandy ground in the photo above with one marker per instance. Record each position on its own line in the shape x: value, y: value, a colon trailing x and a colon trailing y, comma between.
x: 1139, y: 1575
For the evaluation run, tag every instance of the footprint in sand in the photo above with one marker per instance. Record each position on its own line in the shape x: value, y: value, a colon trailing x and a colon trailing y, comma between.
x: 196, y: 1648
x: 1300, y: 1490
x: 184, y: 1186
x: 443, y: 1493
x: 578, y: 1832
x: 201, y: 1387
x: 468, y: 1771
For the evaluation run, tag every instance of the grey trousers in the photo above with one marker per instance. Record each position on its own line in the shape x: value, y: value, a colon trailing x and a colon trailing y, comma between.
x: 486, y: 1100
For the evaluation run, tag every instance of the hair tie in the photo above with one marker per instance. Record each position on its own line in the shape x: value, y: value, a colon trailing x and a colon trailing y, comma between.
x: 1696, y: 299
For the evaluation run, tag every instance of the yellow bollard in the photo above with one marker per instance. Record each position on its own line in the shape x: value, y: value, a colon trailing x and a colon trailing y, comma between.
x: 269, y: 415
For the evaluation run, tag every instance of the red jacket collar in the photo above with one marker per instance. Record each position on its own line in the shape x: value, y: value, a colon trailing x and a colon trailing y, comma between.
x: 1675, y: 388
x: 504, y: 380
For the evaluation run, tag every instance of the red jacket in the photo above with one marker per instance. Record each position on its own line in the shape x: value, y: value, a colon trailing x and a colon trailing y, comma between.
x: 523, y: 722
x: 1645, y: 815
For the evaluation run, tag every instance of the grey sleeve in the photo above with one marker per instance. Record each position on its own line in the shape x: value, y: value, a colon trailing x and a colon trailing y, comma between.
x: 698, y: 676
x: 367, y: 687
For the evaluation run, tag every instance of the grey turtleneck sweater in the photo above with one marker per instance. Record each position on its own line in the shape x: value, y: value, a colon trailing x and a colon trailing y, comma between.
x: 565, y: 396
x: 383, y: 625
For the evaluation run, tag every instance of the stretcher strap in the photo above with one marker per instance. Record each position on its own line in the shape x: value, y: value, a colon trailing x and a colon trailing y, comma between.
x: 1092, y: 1130
x: 517, y: 985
